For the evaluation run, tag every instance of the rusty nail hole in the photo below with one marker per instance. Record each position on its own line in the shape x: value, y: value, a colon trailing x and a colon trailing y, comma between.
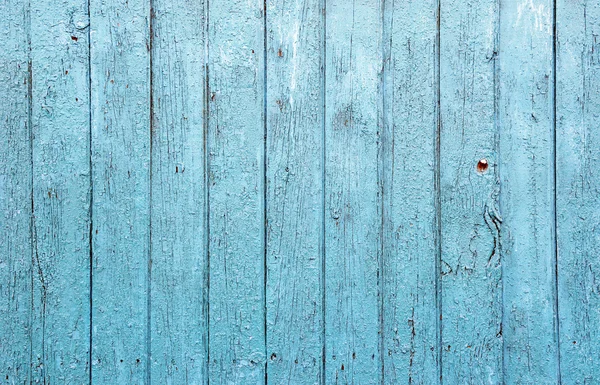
x: 482, y: 165
x: 280, y: 53
x: 74, y: 38
x: 342, y: 366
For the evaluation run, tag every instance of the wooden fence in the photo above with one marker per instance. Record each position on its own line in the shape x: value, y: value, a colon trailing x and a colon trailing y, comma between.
x: 300, y: 192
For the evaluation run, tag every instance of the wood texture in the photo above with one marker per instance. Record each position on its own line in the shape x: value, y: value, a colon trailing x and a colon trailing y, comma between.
x: 120, y: 78
x: 352, y: 192
x: 236, y: 129
x: 526, y: 169
x: 61, y: 192
x: 294, y: 201
x: 15, y: 195
x: 470, y: 220
x: 299, y: 192
x: 578, y: 183
x: 410, y: 259
x: 178, y: 328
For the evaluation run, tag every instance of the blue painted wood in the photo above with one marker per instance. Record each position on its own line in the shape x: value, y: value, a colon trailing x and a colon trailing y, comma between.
x: 294, y: 202
x: 178, y: 291
x: 60, y: 322
x: 526, y: 169
x: 247, y: 192
x: 410, y: 162
x: 470, y: 221
x: 120, y: 79
x: 353, y: 32
x: 236, y: 165
x: 578, y: 183
x: 15, y: 195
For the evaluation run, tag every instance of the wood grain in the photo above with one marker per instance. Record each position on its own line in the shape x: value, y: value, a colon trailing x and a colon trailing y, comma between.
x: 61, y: 191
x: 236, y: 129
x: 578, y: 183
x: 352, y: 192
x: 120, y: 77
x: 410, y: 218
x: 15, y: 195
x: 526, y: 169
x: 178, y: 292
x: 295, y: 193
x: 470, y: 220
x: 309, y: 191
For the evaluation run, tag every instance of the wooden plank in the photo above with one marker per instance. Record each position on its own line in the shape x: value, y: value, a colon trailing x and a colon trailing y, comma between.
x: 295, y: 194
x: 471, y: 270
x: 15, y: 195
x: 410, y: 264
x: 61, y: 191
x: 578, y: 183
x: 120, y: 79
x: 60, y: 124
x: 352, y: 192
x: 178, y: 320
x: 236, y: 129
x: 526, y: 168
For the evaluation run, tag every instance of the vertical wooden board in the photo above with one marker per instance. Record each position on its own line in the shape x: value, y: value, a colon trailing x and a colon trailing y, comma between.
x: 526, y: 168
x: 578, y: 183
x: 410, y: 264
x: 470, y: 267
x: 294, y: 195
x: 61, y: 191
x: 120, y: 77
x: 15, y: 195
x: 178, y: 319
x: 236, y: 129
x: 352, y: 192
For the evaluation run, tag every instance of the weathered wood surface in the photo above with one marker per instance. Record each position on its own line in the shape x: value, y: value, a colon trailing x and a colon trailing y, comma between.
x: 294, y: 200
x: 577, y: 188
x: 60, y: 132
x: 178, y: 292
x: 411, y: 352
x: 120, y: 158
x: 299, y: 192
x: 236, y: 164
x: 353, y: 33
x: 15, y: 195
x: 526, y: 170
x: 471, y: 269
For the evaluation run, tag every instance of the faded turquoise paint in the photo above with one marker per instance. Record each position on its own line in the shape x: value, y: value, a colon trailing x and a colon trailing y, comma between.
x: 60, y: 129
x: 410, y: 291
x: 526, y: 171
x: 179, y: 330
x: 250, y: 192
x: 353, y: 33
x: 15, y: 196
x: 294, y: 201
x: 471, y: 271
x: 577, y: 187
x: 120, y: 206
